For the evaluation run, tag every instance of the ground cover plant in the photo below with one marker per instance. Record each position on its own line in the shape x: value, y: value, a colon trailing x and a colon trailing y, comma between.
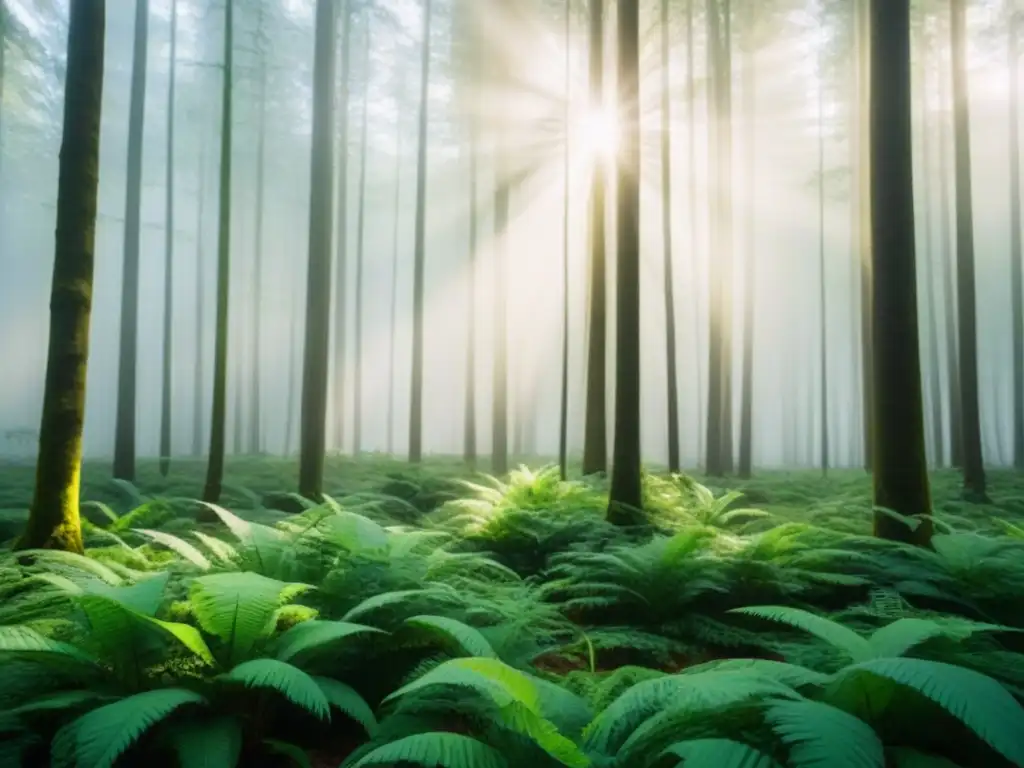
x: 436, y: 618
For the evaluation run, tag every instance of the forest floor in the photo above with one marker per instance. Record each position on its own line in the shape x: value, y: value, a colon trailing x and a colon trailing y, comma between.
x: 747, y: 621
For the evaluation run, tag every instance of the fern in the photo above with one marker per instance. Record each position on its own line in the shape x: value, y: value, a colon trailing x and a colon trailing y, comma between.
x: 468, y: 640
x: 821, y: 736
x: 719, y: 753
x: 434, y: 750
x: 290, y: 681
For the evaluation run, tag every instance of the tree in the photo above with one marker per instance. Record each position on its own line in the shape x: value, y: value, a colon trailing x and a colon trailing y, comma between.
x: 165, y: 392
x: 595, y: 437
x: 197, y: 382
x: 396, y: 220
x: 357, y: 386
x: 973, y: 464
x: 862, y: 213
x: 666, y: 235
x: 900, y: 467
x: 53, y: 521
x: 255, y: 395
x: 626, y: 495
x: 1016, y: 251
x: 823, y: 307
x: 124, y: 429
x: 313, y: 442
x: 419, y: 253
x: 218, y: 411
x: 563, y: 405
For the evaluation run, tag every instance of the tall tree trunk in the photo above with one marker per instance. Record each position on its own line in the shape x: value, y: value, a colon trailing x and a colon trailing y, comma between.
x: 124, y: 428
x: 691, y: 140
x: 313, y: 421
x: 256, y: 369
x: 357, y: 386
x: 218, y: 415
x: 563, y: 405
x: 53, y: 521
x: 974, y: 468
x: 900, y: 468
x: 822, y: 305
x: 666, y: 235
x: 419, y: 254
x: 947, y: 267
x: 746, y: 448
x: 724, y: 83
x: 396, y: 220
x: 625, y: 499
x: 165, y: 400
x: 1016, y: 251
x: 714, y: 462
x: 595, y: 438
x: 469, y: 420
x: 863, y: 187
x: 197, y: 381
x: 341, y: 241
x: 499, y: 382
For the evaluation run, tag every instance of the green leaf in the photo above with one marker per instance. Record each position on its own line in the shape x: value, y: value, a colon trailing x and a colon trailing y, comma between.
x: 26, y: 642
x: 468, y: 639
x: 314, y: 635
x: 833, y: 633
x: 435, y: 750
x: 348, y: 701
x: 208, y: 743
x: 490, y: 677
x: 719, y: 753
x: 179, y: 546
x: 290, y: 681
x: 98, y: 738
x: 821, y: 736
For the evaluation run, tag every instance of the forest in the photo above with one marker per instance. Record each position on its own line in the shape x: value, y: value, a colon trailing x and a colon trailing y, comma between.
x: 511, y: 384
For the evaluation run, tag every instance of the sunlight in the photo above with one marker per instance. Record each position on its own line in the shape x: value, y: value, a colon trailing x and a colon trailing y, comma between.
x: 597, y: 132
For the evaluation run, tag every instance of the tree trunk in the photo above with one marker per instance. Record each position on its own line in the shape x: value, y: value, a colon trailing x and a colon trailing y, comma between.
x: 625, y: 499
x: 595, y: 438
x: 900, y: 467
x: 165, y: 399
x: 714, y: 464
x: 124, y: 428
x: 726, y: 183
x: 666, y: 235
x: 469, y: 422
x: 341, y: 243
x: 394, y: 271
x: 255, y: 405
x: 823, y: 307
x: 746, y: 448
x: 691, y: 139
x: 53, y: 521
x: 197, y: 381
x: 419, y: 253
x: 563, y: 405
x: 974, y: 469
x: 357, y: 385
x: 499, y: 396
x: 218, y: 414
x: 1016, y: 254
x: 313, y: 421
x: 863, y: 188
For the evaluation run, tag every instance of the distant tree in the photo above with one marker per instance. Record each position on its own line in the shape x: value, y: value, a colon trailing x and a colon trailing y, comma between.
x: 419, y: 251
x: 357, y: 386
x: 900, y: 467
x: 256, y: 337
x: 666, y: 235
x: 53, y: 521
x: 313, y: 441
x: 218, y: 411
x: 973, y: 465
x: 626, y: 495
x: 563, y: 406
x: 1016, y: 250
x: 395, y: 222
x: 200, y: 285
x: 822, y: 277
x: 124, y: 428
x: 168, y: 356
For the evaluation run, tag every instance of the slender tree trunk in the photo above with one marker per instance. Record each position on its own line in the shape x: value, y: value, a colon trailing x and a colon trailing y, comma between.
x: 563, y: 405
x: 394, y: 272
x: 293, y: 346
x: 218, y: 416
x: 419, y: 255
x: 357, y: 386
x: 947, y: 267
x: 341, y: 242
x: 197, y: 381
x: 714, y: 463
x: 822, y: 304
x: 974, y: 468
x: 53, y: 521
x: 863, y: 12
x: 1016, y: 251
x: 595, y: 438
x: 726, y: 211
x: 124, y: 428
x: 469, y: 421
x: 499, y: 395
x: 255, y: 404
x: 691, y: 139
x: 166, y: 383
x: 900, y: 467
x: 313, y: 421
x: 625, y: 499
x: 666, y: 235
x: 745, y: 465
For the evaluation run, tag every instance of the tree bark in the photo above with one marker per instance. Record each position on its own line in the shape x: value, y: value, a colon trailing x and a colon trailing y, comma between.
x: 666, y: 235
x: 341, y: 237
x: 746, y: 448
x: 563, y: 406
x: 53, y: 521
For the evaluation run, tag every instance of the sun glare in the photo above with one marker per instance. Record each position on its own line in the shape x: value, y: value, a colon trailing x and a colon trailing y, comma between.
x: 598, y: 133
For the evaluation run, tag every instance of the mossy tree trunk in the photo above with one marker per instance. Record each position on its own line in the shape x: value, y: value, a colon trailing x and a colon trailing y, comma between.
x: 218, y: 411
x: 124, y: 427
x: 625, y: 500
x: 419, y: 253
x: 900, y: 466
x: 973, y: 465
x: 53, y: 521
x: 595, y: 437
x: 168, y: 357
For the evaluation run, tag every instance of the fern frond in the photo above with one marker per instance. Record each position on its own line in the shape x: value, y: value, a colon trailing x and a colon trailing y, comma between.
x: 832, y: 632
x: 314, y: 635
x: 348, y: 701
x: 465, y: 638
x: 821, y: 736
x: 719, y: 753
x: 288, y: 680
x: 435, y: 750
x: 179, y: 546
